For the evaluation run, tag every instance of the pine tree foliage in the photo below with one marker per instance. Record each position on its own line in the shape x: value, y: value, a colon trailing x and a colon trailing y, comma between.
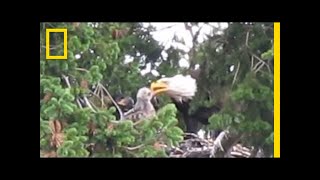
x: 77, y: 120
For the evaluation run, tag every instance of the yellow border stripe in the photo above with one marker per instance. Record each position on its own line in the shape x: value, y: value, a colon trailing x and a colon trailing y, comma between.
x: 47, y: 43
x: 277, y: 90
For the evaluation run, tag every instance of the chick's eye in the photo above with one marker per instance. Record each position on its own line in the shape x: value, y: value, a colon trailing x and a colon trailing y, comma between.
x: 149, y: 94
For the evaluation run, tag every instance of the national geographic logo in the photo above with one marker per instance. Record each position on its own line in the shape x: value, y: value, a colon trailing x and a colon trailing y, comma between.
x: 65, y: 44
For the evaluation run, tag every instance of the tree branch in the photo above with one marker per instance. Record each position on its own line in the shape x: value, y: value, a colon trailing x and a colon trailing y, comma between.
x: 223, y: 143
x: 81, y: 69
x: 134, y: 148
x: 247, y: 39
x: 236, y: 74
x: 119, y: 110
x: 88, y: 103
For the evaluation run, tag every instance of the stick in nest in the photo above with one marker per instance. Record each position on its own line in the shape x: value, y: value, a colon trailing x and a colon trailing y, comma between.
x: 115, y: 104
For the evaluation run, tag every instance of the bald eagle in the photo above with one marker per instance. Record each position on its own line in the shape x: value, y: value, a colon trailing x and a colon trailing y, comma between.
x: 181, y: 89
x: 143, y: 108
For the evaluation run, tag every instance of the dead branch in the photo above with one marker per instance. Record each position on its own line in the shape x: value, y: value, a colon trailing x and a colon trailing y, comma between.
x: 88, y: 103
x: 247, y: 39
x: 251, y: 62
x: 256, y: 66
x: 82, y: 69
x: 236, y: 74
x: 134, y: 148
x: 118, y: 108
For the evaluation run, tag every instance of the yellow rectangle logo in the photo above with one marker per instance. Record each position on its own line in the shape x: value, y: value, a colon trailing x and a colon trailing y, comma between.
x: 65, y: 47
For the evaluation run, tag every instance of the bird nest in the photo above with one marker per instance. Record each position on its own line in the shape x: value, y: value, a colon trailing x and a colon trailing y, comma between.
x: 197, y: 147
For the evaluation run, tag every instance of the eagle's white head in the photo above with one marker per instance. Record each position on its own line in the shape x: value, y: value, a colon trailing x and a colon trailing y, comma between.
x: 179, y: 87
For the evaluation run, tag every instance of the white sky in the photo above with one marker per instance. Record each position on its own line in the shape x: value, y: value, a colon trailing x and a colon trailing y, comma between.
x: 165, y: 36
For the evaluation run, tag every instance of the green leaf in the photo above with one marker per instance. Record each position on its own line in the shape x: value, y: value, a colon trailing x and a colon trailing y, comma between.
x: 43, y: 142
x: 51, y: 112
x: 64, y: 67
x: 177, y: 131
x: 76, y: 42
x: 67, y: 109
x: 47, y: 90
x: 71, y: 132
x: 67, y: 144
x: 71, y: 153
x: 83, y: 138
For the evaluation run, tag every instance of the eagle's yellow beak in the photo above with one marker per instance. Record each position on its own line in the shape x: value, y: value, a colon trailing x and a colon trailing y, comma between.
x: 158, y: 87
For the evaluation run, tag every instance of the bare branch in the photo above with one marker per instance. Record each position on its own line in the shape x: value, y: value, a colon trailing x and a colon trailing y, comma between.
x: 79, y: 104
x: 82, y: 69
x: 119, y: 110
x: 134, y: 148
x: 236, y: 74
x: 191, y: 134
x: 255, y: 56
x: 258, y: 68
x: 51, y: 48
x: 217, y: 143
x: 88, y: 103
x: 223, y: 143
x: 255, y: 66
x: 247, y: 39
x: 66, y: 78
x: 252, y: 58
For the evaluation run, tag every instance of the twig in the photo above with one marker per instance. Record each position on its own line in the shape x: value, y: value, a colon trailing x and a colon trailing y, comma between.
x: 236, y: 74
x: 66, y: 78
x: 88, y: 103
x: 96, y: 90
x: 119, y: 110
x: 251, y: 62
x: 247, y: 39
x: 191, y: 134
x: 81, y: 69
x: 79, y: 104
x: 255, y: 56
x: 134, y: 148
x: 51, y: 48
x: 217, y: 143
x: 258, y: 69
x: 255, y: 66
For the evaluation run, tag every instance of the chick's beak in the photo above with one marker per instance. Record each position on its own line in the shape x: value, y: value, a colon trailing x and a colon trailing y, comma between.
x: 123, y: 102
x: 158, y: 87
